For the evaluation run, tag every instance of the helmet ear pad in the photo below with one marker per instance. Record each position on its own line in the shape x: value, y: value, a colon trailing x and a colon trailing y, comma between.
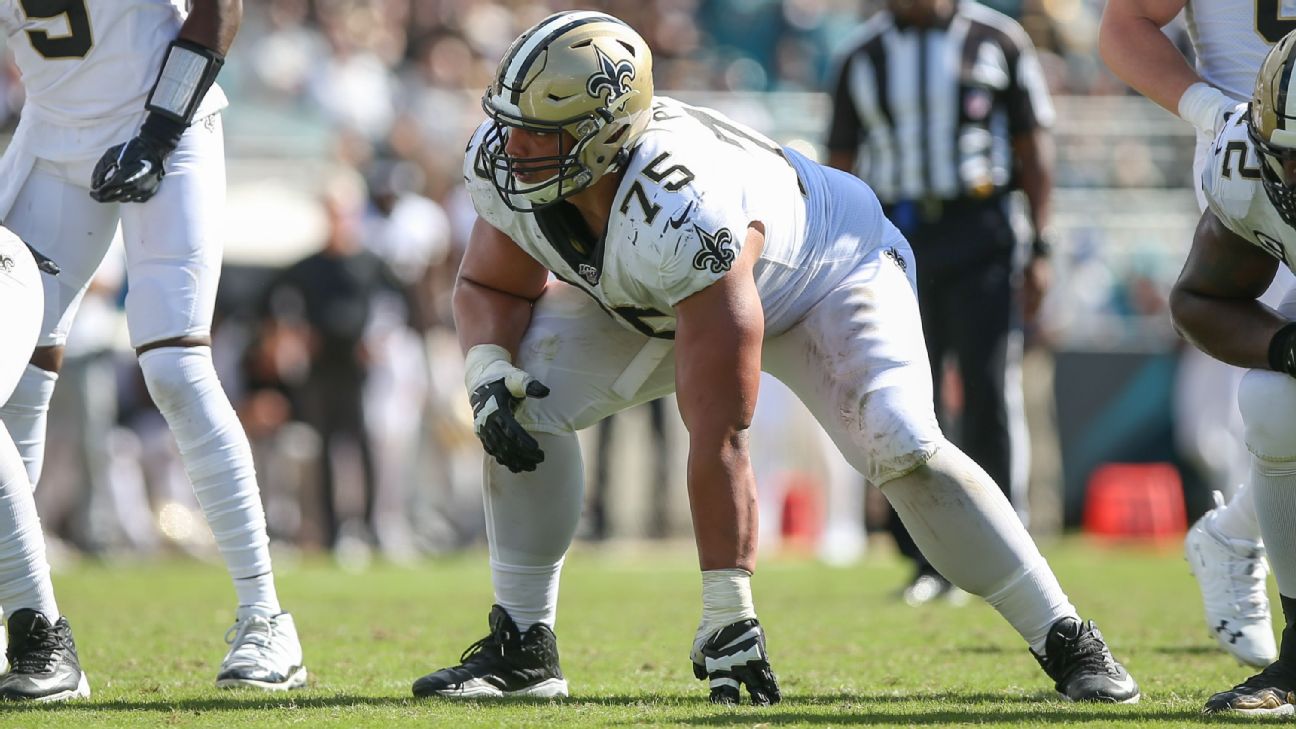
x: 582, y: 72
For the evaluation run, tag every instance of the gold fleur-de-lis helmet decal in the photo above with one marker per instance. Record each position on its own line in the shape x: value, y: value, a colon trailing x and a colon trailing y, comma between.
x: 614, y: 77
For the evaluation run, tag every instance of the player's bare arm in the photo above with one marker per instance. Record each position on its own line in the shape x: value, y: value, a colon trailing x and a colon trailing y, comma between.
x: 1214, y: 302
x: 498, y: 284
x: 718, y: 350
x: 1132, y: 45
x: 213, y: 23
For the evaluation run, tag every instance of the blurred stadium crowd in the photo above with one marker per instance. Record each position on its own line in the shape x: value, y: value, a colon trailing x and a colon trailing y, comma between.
x: 341, y: 356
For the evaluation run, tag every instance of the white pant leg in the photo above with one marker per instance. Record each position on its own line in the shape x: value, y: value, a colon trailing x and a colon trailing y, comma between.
x: 24, y: 571
x: 174, y: 241
x: 858, y: 361
x: 54, y: 213
x: 594, y: 366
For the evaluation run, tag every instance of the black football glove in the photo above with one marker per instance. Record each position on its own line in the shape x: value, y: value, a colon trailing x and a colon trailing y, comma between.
x: 132, y: 172
x: 129, y: 172
x: 495, y: 389
x: 733, y: 657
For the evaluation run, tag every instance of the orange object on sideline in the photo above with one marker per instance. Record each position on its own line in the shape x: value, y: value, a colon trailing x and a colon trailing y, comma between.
x: 802, y: 512
x: 1135, y: 501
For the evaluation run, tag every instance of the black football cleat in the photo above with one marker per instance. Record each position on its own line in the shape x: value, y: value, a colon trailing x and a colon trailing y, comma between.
x: 43, y: 663
x: 1272, y: 692
x: 506, y: 663
x: 733, y: 657
x: 1077, y: 659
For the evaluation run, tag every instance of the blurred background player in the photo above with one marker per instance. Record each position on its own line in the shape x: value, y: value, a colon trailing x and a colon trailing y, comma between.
x: 1246, y: 233
x: 943, y: 143
x: 133, y: 78
x: 1230, y: 38
x: 43, y: 662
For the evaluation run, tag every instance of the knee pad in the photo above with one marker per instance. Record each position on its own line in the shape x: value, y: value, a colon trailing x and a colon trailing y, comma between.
x: 895, y: 435
x: 1267, y: 401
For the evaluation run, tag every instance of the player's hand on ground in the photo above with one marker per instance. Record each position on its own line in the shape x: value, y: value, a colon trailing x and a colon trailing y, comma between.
x: 129, y: 172
x: 496, y: 388
x: 733, y: 658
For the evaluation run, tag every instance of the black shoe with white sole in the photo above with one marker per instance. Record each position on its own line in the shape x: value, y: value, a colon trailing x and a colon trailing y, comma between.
x: 1272, y: 692
x: 43, y: 663
x: 1082, y: 667
x: 505, y: 663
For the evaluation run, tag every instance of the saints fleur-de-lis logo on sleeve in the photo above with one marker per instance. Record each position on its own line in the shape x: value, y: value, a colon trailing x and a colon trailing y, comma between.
x: 615, y: 77
x: 717, y: 251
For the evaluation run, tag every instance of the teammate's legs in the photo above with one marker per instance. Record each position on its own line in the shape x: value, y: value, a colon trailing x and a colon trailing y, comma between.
x: 875, y: 400
x: 1223, y: 547
x: 24, y: 572
x: 55, y: 215
x: 43, y: 660
x: 1267, y: 400
x: 173, y: 252
x: 173, y: 248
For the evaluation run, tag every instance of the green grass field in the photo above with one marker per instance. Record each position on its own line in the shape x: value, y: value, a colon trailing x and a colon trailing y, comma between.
x: 846, y: 652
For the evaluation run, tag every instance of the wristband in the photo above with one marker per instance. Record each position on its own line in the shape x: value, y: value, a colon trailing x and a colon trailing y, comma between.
x: 479, y: 358
x: 1041, y: 246
x: 1203, y: 106
x: 1282, y: 350
x: 188, y: 71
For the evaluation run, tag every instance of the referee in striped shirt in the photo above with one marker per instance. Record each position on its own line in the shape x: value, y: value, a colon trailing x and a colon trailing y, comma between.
x: 941, y: 107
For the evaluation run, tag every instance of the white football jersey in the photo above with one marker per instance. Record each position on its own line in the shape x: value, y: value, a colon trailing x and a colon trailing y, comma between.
x: 88, y: 60
x: 694, y: 182
x: 1231, y: 38
x: 1231, y: 184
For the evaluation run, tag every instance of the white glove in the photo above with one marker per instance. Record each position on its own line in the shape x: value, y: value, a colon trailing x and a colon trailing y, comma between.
x: 1205, y: 107
x: 495, y: 389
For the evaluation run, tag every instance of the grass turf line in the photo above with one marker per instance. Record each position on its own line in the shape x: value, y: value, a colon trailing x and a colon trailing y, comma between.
x: 847, y: 653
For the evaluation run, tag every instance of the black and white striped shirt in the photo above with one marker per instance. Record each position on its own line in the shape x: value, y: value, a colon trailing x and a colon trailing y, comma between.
x: 931, y: 112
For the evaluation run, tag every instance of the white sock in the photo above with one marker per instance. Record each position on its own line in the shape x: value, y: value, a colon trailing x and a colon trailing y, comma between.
x: 25, y: 416
x: 24, y: 571
x: 529, y: 594
x: 726, y: 599
x: 965, y: 526
x: 1237, y: 518
x: 1274, y: 486
x: 218, y: 459
x: 1031, y: 602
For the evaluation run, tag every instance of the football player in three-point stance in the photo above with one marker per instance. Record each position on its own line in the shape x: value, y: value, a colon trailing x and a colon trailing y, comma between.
x: 691, y: 253
x: 1246, y: 233
x: 1231, y: 38
x: 136, y: 78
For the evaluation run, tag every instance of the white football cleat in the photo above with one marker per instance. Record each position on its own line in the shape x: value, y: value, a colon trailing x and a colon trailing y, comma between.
x: 264, y: 653
x: 1232, y: 575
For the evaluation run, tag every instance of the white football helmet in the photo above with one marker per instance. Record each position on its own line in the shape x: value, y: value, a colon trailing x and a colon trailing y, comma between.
x: 584, y: 73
